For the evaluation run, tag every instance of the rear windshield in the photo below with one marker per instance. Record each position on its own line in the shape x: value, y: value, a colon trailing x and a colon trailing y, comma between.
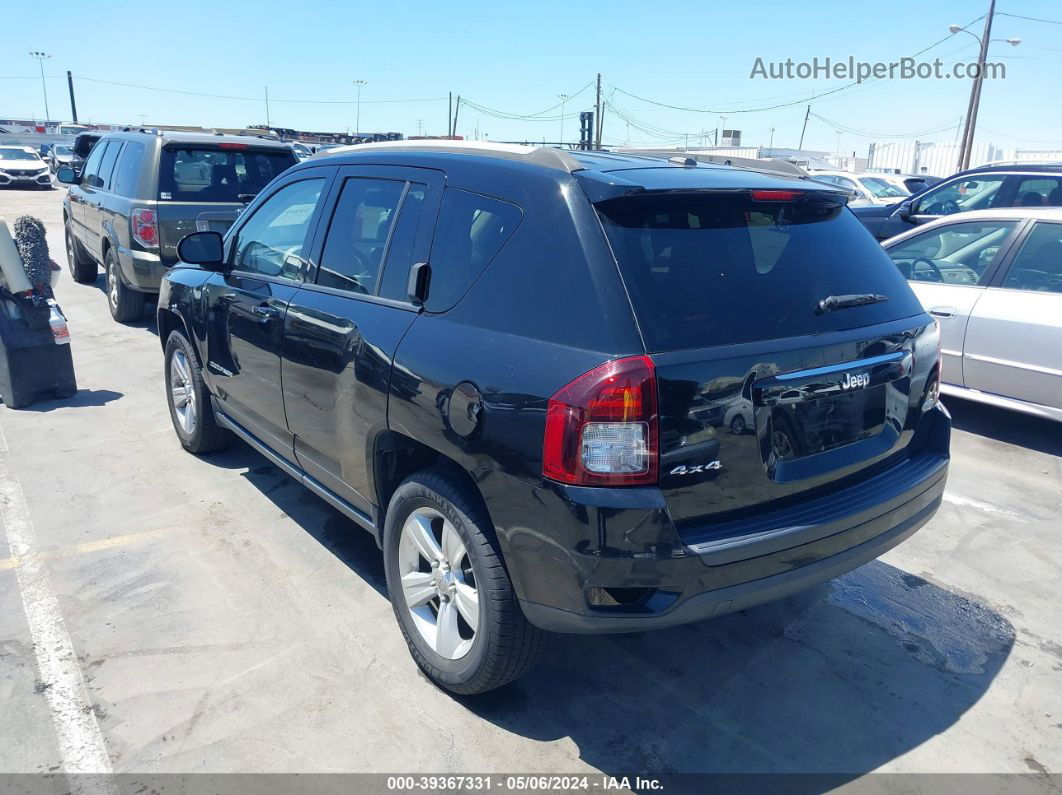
x: 204, y: 174
x: 716, y: 269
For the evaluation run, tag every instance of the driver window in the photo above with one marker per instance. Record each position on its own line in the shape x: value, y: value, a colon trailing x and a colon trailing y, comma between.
x: 359, y: 233
x: 953, y: 253
x: 978, y: 193
x: 1038, y: 266
x: 272, y: 240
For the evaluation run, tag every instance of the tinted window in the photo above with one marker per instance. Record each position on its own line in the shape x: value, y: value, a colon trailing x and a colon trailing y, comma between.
x: 471, y: 229
x: 883, y: 189
x: 358, y: 234
x: 978, y: 192
x: 127, y: 172
x: 705, y: 269
x: 952, y: 254
x: 202, y: 174
x: 1039, y: 192
x: 110, y: 157
x: 89, y: 174
x: 1038, y: 266
x: 395, y: 281
x: 271, y: 241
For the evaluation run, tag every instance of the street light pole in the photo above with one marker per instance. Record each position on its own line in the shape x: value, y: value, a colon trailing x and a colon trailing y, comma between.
x: 357, y: 120
x: 41, y: 57
x: 563, y: 99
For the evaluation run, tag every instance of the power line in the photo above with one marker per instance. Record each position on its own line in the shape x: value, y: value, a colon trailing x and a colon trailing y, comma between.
x: 1029, y: 19
x: 863, y: 134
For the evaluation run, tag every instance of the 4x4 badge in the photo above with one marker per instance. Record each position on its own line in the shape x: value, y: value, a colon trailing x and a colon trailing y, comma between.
x: 682, y: 469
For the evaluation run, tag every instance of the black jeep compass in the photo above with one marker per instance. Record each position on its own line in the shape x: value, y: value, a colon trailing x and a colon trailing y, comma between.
x: 520, y: 368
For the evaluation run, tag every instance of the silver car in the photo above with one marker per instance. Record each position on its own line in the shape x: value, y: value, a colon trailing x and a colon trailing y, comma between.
x: 993, y: 279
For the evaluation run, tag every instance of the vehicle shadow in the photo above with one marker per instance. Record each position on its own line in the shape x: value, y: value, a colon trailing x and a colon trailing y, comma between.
x: 354, y: 547
x: 148, y: 322
x: 1010, y: 427
x: 840, y: 679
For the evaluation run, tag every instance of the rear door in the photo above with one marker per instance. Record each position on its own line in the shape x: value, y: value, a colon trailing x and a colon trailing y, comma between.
x: 205, y: 187
x: 948, y: 267
x: 247, y: 305
x: 1014, y: 338
x: 730, y: 290
x: 345, y: 322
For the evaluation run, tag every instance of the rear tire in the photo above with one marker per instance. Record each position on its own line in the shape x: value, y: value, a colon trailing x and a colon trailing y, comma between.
x: 737, y: 425
x: 82, y: 269
x: 189, y: 399
x: 126, y: 305
x: 468, y: 578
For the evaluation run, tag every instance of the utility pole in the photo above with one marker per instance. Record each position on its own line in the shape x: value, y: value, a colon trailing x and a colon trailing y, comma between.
x: 73, y: 105
x: 597, y: 113
x: 450, y: 117
x: 457, y: 109
x: 420, y: 127
x: 804, y: 128
x: 357, y: 119
x: 563, y: 99
x: 268, y: 125
x: 771, y: 144
x: 41, y: 58
x: 975, y: 92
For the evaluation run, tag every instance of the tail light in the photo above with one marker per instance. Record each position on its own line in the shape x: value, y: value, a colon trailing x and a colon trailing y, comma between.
x: 602, y: 428
x: 776, y: 195
x: 146, y: 228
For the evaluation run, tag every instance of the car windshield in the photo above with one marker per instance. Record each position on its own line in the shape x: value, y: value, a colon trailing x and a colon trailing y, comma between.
x: 882, y: 189
x: 209, y: 174
x: 707, y: 269
x: 18, y: 154
x: 63, y: 150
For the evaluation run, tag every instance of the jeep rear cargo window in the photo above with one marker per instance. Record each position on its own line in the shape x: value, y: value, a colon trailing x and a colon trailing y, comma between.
x: 211, y: 174
x: 706, y: 269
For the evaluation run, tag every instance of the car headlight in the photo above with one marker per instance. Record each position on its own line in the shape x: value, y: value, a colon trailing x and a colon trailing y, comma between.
x: 42, y: 171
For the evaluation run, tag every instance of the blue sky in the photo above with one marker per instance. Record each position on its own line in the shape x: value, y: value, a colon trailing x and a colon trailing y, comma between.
x: 518, y: 58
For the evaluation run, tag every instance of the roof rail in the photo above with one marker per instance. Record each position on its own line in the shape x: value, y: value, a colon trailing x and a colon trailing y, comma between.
x: 772, y: 165
x: 540, y: 155
x: 1020, y: 162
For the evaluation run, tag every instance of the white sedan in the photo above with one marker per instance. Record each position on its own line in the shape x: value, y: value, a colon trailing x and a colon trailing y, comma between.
x: 993, y: 279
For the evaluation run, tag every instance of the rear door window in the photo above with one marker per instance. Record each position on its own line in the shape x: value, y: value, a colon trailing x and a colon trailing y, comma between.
x: 127, y: 172
x: 706, y: 269
x: 218, y: 174
x: 1038, y: 266
x: 1039, y: 192
x: 469, y: 233
x: 110, y: 157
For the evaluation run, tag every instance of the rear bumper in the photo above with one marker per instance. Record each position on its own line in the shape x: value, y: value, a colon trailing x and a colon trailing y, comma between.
x: 624, y: 539
x: 142, y: 270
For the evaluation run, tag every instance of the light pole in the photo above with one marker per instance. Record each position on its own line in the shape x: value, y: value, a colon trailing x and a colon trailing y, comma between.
x: 357, y: 120
x: 563, y: 99
x: 41, y: 57
x: 966, y: 149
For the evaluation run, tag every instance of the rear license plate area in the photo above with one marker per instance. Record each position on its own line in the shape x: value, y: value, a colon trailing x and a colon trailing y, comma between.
x: 810, y: 427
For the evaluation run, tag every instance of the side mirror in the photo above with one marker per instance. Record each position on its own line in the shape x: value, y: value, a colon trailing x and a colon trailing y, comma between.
x: 419, y: 281
x: 904, y: 211
x: 66, y: 175
x: 204, y: 249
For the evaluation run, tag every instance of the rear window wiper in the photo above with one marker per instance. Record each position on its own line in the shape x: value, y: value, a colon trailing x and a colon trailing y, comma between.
x: 831, y: 302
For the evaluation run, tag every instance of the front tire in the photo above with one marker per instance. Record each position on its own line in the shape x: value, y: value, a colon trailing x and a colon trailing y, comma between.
x: 451, y: 594
x: 737, y: 425
x: 82, y: 269
x: 126, y: 305
x: 189, y: 399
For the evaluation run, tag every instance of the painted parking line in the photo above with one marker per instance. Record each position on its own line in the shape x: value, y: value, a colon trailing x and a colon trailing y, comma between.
x: 78, y: 733
x: 88, y: 547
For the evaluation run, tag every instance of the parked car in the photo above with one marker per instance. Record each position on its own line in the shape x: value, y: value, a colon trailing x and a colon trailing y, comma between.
x: 22, y: 167
x: 982, y: 188
x: 139, y: 193
x: 60, y: 155
x: 494, y: 358
x: 993, y: 278
x: 865, y: 188
x: 302, y: 151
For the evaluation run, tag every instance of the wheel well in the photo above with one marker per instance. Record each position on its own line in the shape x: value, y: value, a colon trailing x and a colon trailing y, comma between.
x: 397, y: 456
x: 168, y: 322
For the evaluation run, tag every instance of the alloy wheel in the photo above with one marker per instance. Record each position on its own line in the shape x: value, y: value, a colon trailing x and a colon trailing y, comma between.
x: 182, y: 392
x: 438, y: 584
x: 112, y: 284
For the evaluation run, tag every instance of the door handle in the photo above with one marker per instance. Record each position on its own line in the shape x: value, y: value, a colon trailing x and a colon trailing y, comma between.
x: 943, y: 311
x: 265, y: 311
